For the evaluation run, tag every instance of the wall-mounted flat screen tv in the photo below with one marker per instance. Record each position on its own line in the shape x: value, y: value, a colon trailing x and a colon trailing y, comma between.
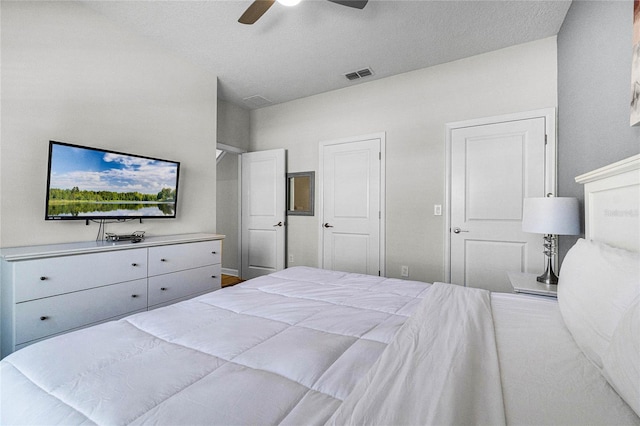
x: 90, y: 183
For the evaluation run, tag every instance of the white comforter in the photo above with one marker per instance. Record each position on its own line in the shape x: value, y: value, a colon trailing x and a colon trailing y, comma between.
x: 286, y: 348
x: 306, y: 346
x: 442, y: 368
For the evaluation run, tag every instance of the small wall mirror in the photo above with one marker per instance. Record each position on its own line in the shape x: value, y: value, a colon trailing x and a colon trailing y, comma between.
x: 300, y: 193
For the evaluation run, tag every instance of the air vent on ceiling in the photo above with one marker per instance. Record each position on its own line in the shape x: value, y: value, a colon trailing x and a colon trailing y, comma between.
x: 256, y: 101
x: 365, y: 72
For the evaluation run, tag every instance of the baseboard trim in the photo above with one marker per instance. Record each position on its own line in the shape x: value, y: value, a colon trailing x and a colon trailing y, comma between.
x: 228, y: 271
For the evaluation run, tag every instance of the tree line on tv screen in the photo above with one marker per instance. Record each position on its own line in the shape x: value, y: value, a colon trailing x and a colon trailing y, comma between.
x: 75, y: 194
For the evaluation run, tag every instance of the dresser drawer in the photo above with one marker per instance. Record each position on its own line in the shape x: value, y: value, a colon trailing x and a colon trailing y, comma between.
x: 163, y: 288
x: 167, y: 259
x: 48, y: 277
x: 39, y: 318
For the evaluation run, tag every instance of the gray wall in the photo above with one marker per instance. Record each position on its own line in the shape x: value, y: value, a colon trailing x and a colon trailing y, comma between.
x: 412, y: 109
x: 594, y: 80
x: 69, y: 74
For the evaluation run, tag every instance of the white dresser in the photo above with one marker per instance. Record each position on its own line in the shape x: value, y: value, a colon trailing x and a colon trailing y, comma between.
x: 53, y: 289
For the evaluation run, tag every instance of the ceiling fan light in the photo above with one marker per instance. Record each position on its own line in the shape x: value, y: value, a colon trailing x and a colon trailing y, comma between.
x: 289, y: 2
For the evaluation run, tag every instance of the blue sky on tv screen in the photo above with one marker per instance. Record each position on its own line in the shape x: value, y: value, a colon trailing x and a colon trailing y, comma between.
x: 94, y: 170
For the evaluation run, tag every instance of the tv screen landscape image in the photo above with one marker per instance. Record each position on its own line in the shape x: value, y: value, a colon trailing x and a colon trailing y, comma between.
x: 90, y: 183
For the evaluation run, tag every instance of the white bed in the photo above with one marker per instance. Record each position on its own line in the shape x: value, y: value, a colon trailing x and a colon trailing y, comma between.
x: 307, y: 346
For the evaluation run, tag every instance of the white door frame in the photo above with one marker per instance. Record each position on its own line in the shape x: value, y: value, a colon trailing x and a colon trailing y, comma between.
x: 382, y: 229
x: 549, y: 114
x: 237, y: 152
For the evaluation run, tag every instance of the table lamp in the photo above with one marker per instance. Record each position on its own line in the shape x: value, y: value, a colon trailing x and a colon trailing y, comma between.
x: 550, y: 216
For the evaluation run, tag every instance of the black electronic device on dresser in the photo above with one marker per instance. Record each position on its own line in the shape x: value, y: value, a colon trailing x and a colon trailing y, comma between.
x: 136, y: 237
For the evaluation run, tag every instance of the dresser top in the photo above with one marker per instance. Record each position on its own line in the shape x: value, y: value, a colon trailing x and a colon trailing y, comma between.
x: 12, y: 254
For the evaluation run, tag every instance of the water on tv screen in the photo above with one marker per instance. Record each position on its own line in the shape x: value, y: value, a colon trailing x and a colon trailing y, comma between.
x: 90, y: 183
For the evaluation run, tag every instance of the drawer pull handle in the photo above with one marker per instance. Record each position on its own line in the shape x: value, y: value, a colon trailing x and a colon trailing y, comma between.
x: 134, y: 264
x: 44, y: 318
x: 163, y: 288
x: 43, y: 278
x: 134, y: 295
x: 213, y: 276
x: 163, y: 260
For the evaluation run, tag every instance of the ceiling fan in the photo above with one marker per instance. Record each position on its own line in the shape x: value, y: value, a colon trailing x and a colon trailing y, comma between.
x: 259, y: 7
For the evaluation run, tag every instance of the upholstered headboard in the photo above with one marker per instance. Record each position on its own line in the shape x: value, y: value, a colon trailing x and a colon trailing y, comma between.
x: 612, y: 204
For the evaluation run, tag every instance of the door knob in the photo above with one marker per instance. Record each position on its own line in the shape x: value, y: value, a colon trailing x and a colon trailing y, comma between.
x: 278, y: 224
x: 326, y: 225
x: 457, y: 230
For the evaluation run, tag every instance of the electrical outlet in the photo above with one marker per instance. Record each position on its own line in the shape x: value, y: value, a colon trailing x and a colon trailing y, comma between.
x: 437, y: 210
x: 290, y: 258
x: 404, y: 271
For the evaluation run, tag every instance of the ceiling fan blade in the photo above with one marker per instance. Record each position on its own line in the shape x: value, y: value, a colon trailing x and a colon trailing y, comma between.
x: 255, y: 11
x: 358, y: 4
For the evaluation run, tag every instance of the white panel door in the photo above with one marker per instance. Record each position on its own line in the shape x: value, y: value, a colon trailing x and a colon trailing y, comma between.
x: 493, y: 167
x: 263, y: 212
x: 351, y: 206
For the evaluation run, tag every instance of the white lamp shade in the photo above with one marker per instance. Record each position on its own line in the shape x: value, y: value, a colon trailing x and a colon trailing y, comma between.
x: 551, y: 215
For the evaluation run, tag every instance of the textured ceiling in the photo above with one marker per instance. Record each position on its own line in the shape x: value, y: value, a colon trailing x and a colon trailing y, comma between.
x: 293, y: 52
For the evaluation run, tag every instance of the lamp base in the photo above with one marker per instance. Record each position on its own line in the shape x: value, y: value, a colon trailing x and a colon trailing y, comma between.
x: 548, y: 277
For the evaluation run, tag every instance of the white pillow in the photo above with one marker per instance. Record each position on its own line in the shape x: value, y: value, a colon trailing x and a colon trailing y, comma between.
x: 596, y: 286
x: 622, y: 359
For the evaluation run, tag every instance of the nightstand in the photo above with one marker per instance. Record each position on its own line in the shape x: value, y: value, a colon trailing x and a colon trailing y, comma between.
x: 526, y: 283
